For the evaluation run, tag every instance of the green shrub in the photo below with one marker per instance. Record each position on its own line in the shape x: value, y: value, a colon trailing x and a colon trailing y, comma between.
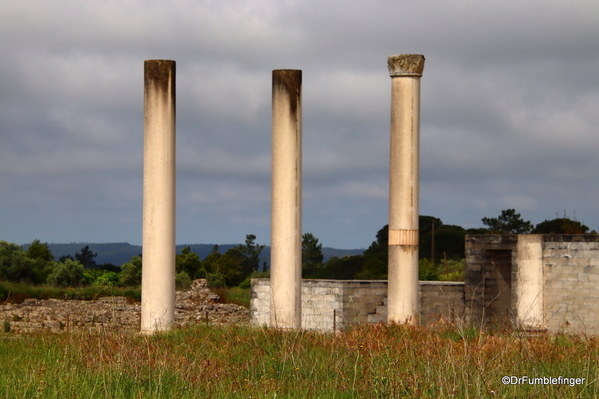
x: 245, y: 284
x: 15, y: 266
x: 182, y: 281
x: 69, y: 273
x: 215, y: 280
x: 452, y: 270
x: 107, y: 279
x: 427, y: 271
x: 131, y: 272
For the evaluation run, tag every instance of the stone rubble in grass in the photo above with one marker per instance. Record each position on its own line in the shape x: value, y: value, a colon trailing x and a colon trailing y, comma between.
x: 197, y: 305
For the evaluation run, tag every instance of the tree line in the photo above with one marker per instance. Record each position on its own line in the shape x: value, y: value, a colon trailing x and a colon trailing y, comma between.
x: 441, y: 253
x: 441, y: 248
x: 37, y: 266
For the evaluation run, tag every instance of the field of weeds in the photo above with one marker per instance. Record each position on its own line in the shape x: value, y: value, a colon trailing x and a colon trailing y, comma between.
x: 372, y: 361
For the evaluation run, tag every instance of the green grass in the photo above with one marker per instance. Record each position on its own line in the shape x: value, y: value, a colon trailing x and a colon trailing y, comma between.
x: 374, y: 361
x: 236, y: 295
x: 17, y: 293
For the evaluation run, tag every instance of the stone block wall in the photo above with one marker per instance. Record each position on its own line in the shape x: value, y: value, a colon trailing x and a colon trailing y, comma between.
x: 326, y: 304
x: 571, y: 283
x: 360, y: 298
x: 329, y: 305
x: 441, y: 300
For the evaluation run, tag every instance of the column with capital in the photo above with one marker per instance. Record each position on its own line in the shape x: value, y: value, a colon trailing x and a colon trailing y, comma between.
x: 403, y: 297
x: 286, y: 207
x: 158, y: 237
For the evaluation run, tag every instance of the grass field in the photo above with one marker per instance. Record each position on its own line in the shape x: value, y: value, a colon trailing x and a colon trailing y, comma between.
x: 374, y: 361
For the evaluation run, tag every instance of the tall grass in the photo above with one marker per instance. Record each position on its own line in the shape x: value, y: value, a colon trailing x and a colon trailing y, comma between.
x: 372, y: 361
x: 236, y: 295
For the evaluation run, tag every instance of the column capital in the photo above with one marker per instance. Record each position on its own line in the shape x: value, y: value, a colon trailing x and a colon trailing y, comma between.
x: 405, y: 65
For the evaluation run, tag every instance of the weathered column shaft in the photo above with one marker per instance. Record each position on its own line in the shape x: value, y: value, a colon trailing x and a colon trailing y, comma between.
x: 158, y: 246
x: 530, y: 281
x: 403, y: 302
x: 286, y: 222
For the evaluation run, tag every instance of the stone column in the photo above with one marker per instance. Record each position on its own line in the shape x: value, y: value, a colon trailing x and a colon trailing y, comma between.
x: 529, y: 289
x: 158, y: 246
x: 286, y: 222
x: 403, y: 302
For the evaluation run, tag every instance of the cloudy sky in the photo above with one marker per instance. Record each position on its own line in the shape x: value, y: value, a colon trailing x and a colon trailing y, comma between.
x: 509, y: 113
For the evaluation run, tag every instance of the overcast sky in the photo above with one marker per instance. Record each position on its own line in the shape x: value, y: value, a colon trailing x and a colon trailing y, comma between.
x: 509, y: 113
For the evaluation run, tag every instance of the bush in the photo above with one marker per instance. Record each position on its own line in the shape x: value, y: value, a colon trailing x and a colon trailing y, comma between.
x: 131, y: 272
x: 427, y: 271
x: 245, y: 284
x: 452, y: 270
x: 215, y: 280
x: 182, y: 281
x: 107, y: 279
x: 15, y: 266
x: 69, y: 273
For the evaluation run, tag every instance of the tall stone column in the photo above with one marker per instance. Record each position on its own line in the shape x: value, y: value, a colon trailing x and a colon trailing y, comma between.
x: 286, y: 222
x: 530, y: 281
x: 402, y: 301
x: 158, y: 246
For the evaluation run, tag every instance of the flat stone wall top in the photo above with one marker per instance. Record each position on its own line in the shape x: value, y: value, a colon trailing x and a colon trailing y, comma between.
x: 498, y: 239
x: 260, y: 281
x: 455, y: 283
x: 369, y: 283
x: 570, y: 237
x: 355, y: 282
x: 492, y: 238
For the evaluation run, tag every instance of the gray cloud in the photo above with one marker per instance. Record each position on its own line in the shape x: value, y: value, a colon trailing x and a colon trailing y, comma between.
x: 510, y: 96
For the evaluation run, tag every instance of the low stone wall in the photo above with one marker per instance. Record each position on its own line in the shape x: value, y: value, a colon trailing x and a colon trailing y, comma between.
x: 329, y: 305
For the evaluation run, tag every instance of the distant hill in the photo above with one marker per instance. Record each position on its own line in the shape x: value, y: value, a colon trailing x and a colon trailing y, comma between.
x: 118, y: 253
